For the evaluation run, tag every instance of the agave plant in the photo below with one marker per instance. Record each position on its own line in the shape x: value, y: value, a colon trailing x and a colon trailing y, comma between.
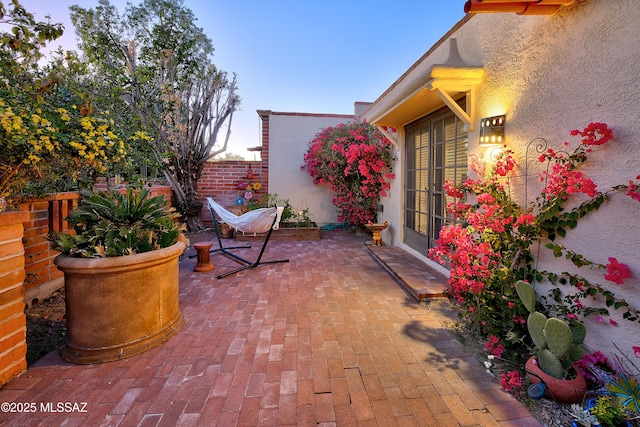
x: 115, y: 224
x: 626, y: 389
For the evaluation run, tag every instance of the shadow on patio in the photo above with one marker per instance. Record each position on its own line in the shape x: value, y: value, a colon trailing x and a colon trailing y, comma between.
x: 326, y: 339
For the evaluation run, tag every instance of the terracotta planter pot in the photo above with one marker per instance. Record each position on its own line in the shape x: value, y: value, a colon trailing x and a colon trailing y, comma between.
x: 120, y: 306
x: 564, y: 391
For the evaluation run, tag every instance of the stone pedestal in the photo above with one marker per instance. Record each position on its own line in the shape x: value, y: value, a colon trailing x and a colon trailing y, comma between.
x: 376, y: 229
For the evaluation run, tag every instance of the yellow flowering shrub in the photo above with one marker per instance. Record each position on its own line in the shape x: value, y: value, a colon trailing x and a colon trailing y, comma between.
x: 33, y: 139
x: 48, y: 128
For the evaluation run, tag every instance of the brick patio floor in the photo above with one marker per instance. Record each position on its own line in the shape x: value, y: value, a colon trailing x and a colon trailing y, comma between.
x: 328, y: 339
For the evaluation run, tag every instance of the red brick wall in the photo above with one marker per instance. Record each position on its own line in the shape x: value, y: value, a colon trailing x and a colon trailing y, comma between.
x: 45, y: 215
x: 220, y: 180
x: 13, y: 346
x: 163, y: 190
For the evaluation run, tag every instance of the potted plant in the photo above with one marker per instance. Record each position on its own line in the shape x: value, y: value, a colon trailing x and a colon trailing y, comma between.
x: 557, y: 347
x: 604, y: 411
x: 121, y: 275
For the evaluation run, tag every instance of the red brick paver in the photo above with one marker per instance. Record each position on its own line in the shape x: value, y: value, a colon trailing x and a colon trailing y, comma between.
x: 328, y: 339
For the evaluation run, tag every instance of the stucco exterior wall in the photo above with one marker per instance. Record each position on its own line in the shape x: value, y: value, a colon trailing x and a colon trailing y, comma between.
x: 551, y: 74
x: 289, y: 136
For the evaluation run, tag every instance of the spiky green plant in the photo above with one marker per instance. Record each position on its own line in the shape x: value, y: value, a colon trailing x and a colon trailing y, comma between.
x: 115, y: 224
x: 626, y: 389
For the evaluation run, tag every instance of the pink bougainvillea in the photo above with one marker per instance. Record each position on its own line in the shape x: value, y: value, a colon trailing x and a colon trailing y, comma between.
x: 354, y: 161
x: 487, y: 247
x: 594, y: 134
x: 633, y: 190
x: 511, y: 380
x: 617, y: 272
x: 494, y: 347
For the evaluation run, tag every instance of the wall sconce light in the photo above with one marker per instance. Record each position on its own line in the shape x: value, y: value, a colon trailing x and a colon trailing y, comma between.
x: 492, y: 130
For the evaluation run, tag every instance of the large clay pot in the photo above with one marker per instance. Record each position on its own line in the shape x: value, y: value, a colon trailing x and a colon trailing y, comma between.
x: 564, y: 391
x: 118, y: 307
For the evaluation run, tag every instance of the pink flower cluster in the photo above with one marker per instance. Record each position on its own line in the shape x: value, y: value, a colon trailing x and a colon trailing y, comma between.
x: 564, y: 180
x: 354, y: 161
x: 470, y: 261
x: 598, y: 360
x: 511, y: 380
x: 633, y: 190
x: 594, y: 134
x: 617, y: 272
x: 505, y: 164
x: 493, y: 346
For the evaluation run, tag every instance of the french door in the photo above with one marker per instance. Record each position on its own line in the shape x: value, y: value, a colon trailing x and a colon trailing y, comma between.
x: 436, y: 148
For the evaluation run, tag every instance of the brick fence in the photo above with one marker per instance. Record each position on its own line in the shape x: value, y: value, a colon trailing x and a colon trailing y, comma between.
x: 220, y: 181
x: 45, y: 215
x: 13, y: 326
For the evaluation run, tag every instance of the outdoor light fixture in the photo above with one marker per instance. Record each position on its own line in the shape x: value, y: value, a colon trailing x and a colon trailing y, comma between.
x: 492, y: 130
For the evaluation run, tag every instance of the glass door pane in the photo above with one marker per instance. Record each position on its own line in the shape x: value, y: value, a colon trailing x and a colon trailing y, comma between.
x: 436, y: 151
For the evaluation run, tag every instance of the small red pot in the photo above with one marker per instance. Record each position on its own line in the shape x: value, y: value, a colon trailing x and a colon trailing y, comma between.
x: 564, y: 391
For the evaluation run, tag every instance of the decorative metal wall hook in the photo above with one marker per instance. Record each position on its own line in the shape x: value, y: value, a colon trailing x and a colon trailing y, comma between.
x: 540, y: 145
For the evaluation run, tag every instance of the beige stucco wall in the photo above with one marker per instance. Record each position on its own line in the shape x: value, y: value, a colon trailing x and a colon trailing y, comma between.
x: 289, y: 136
x: 551, y: 74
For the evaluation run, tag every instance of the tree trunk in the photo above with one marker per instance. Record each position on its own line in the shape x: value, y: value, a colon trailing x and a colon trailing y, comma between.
x: 192, y: 210
x: 186, y: 200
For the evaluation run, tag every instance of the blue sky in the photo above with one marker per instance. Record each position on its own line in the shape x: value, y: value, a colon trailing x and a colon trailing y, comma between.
x: 302, y: 56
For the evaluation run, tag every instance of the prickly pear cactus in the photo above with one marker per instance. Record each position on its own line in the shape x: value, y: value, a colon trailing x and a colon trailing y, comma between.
x: 535, y: 325
x: 558, y: 345
x: 559, y: 337
x: 576, y: 352
x: 550, y: 364
x: 579, y: 332
x: 527, y: 295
